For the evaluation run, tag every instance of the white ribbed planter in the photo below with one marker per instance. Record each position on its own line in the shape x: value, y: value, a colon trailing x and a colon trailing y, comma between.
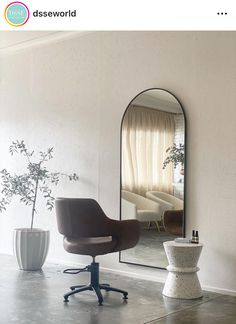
x: 30, y: 247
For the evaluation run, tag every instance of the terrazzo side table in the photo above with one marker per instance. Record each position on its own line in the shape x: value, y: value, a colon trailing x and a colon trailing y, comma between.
x: 182, y: 280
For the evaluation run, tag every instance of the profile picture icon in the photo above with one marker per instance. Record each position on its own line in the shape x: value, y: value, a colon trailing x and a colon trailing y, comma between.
x: 16, y: 14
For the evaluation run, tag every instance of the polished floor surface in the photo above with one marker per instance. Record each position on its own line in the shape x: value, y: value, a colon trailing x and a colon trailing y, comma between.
x: 149, y: 250
x: 36, y: 298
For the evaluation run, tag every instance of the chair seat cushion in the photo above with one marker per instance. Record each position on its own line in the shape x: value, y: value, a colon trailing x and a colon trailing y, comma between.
x: 90, y: 245
x: 148, y: 216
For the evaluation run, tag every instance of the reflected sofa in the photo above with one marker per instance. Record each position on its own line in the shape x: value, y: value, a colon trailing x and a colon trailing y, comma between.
x: 173, y: 222
x: 172, y: 211
x: 141, y: 208
x: 167, y: 201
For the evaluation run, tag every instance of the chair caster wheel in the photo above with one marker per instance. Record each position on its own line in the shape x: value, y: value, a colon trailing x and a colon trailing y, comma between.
x: 125, y: 296
x: 72, y: 288
x: 66, y: 300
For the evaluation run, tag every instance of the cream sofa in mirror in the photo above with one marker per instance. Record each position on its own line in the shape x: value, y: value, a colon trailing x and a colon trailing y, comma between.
x: 171, y: 220
x: 143, y: 209
x: 166, y: 200
x: 152, y: 173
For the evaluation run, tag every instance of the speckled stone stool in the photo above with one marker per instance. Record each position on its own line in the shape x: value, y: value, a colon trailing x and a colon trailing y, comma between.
x: 182, y: 280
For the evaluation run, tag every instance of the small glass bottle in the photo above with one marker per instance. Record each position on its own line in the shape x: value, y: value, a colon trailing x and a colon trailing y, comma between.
x: 196, y: 237
x: 193, y: 237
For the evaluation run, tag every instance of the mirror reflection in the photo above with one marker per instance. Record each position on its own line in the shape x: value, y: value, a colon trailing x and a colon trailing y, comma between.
x: 152, y: 174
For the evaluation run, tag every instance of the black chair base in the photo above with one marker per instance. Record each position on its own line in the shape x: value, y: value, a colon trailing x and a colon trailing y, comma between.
x: 94, y: 285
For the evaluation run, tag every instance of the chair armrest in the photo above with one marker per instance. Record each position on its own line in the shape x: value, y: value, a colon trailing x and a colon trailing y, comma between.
x: 128, y: 210
x: 164, y: 204
x: 126, y: 232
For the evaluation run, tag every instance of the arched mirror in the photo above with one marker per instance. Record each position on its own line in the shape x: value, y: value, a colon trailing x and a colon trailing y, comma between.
x: 153, y: 173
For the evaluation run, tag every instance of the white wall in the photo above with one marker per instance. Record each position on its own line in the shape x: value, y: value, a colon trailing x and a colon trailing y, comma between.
x: 72, y: 93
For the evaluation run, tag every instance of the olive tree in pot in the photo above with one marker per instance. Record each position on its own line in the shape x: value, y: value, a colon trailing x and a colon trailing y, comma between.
x: 31, y: 244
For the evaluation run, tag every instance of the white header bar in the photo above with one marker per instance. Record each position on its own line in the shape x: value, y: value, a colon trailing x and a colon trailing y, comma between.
x: 120, y: 15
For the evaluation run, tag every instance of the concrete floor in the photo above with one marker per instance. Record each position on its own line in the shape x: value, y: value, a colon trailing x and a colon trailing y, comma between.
x: 36, y: 298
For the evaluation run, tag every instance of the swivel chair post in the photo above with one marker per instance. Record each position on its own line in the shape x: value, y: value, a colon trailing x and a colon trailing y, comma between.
x: 94, y: 285
x: 94, y: 269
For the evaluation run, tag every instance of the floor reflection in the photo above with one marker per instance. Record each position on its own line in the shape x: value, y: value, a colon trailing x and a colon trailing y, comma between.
x: 149, y: 250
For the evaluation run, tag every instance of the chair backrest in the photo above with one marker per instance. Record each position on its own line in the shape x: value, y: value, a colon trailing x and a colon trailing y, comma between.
x: 80, y: 217
x: 173, y: 222
x: 170, y: 199
x: 141, y: 203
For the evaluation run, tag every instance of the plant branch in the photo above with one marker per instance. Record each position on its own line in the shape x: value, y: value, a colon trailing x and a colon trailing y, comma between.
x: 27, y: 185
x: 34, y: 203
x: 176, y: 155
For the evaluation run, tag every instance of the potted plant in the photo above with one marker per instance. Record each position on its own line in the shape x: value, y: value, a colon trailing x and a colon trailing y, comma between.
x: 176, y: 156
x: 30, y: 244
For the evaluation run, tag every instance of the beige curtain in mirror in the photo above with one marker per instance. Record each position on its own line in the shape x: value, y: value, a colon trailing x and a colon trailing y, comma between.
x: 146, y: 134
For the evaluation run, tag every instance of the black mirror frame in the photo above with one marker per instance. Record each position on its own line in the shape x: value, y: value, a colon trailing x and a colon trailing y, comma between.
x: 185, y: 168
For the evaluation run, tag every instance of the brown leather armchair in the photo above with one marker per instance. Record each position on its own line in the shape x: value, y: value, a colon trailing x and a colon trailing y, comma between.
x: 173, y: 222
x: 88, y: 231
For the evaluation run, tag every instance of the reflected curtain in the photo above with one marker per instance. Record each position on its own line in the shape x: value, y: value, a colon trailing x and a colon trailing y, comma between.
x: 146, y: 134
